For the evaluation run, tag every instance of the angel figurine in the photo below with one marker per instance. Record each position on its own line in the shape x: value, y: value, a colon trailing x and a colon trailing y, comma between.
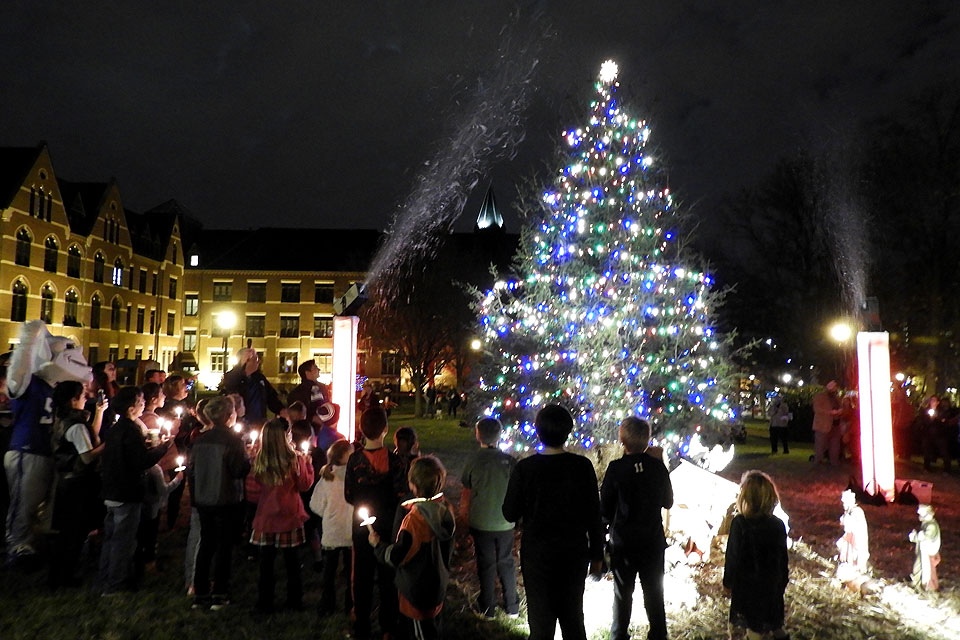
x: 854, y: 545
x: 927, y: 541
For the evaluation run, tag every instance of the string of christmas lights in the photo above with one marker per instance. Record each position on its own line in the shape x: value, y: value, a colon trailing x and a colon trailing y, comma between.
x: 608, y: 319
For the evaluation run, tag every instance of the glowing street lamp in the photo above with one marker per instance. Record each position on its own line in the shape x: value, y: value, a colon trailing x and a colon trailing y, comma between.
x: 786, y: 378
x: 226, y: 320
x: 841, y: 332
x: 476, y: 344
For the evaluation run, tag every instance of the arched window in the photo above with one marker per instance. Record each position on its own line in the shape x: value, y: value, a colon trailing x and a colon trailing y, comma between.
x: 50, y: 250
x: 70, y: 303
x: 118, y: 272
x: 173, y: 258
x: 18, y: 309
x: 24, y: 240
x: 115, y: 314
x: 98, y: 264
x: 73, y: 261
x: 95, y: 311
x: 46, y: 304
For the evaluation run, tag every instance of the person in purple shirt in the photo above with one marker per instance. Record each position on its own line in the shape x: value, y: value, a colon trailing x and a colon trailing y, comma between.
x: 38, y: 363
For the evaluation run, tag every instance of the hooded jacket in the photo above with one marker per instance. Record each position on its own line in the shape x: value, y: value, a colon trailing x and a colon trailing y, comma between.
x: 218, y: 465
x: 421, y: 556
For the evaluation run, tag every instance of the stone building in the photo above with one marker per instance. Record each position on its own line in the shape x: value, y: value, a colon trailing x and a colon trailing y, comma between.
x: 157, y: 285
x: 73, y: 256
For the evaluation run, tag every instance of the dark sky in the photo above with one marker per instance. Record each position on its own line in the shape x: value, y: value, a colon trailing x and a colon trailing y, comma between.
x: 310, y: 113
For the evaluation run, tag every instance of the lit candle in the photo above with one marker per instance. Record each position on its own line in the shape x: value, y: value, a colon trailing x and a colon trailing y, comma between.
x: 305, y: 445
x: 366, y: 520
x: 253, y: 435
x: 180, y: 460
x: 238, y: 427
x: 179, y: 411
x: 931, y: 412
x: 168, y: 426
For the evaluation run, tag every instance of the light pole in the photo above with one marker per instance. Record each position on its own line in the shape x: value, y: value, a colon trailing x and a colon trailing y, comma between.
x: 226, y: 320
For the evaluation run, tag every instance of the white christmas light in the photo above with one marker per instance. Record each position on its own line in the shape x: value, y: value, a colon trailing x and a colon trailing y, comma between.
x: 608, y: 71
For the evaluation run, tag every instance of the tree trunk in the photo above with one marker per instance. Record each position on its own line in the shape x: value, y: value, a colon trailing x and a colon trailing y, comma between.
x: 417, y: 380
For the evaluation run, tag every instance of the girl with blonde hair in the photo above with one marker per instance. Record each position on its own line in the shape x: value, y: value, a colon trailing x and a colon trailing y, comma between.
x: 280, y: 473
x: 755, y: 573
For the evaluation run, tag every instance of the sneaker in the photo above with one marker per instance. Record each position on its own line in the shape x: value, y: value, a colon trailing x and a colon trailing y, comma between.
x: 219, y: 602
x: 514, y: 615
x: 201, y: 602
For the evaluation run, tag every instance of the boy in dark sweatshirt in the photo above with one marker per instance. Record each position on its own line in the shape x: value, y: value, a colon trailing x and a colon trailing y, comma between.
x: 218, y: 465
x: 421, y: 553
x: 374, y: 481
x: 635, y: 488
x: 553, y: 495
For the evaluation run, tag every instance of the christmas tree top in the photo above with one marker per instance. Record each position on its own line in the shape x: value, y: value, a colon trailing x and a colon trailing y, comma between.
x: 608, y: 316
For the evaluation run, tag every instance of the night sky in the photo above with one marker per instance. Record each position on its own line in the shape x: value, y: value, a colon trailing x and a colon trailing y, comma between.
x: 321, y: 113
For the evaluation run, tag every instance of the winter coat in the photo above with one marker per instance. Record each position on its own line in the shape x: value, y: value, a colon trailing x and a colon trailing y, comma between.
x: 279, y: 507
x: 125, y: 458
x: 421, y: 557
x: 327, y: 502
x: 218, y: 465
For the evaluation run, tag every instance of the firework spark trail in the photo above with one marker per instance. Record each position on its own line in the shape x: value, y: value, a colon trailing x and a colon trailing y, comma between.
x: 489, y: 129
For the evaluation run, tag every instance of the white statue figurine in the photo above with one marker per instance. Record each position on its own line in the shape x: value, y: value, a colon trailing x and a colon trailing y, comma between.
x: 927, y: 541
x: 854, y: 545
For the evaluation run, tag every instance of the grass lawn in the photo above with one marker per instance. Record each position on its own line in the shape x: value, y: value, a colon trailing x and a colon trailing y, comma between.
x: 817, y: 607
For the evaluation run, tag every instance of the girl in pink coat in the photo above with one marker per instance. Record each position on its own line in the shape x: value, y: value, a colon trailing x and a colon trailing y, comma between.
x: 280, y: 473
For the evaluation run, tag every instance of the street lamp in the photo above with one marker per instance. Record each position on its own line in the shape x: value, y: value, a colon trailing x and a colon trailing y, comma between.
x: 841, y: 332
x: 226, y: 320
x: 476, y: 344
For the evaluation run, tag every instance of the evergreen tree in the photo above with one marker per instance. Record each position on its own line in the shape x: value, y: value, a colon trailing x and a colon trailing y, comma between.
x: 608, y: 315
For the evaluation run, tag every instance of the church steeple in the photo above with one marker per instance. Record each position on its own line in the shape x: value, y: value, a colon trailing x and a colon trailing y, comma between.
x: 489, y: 213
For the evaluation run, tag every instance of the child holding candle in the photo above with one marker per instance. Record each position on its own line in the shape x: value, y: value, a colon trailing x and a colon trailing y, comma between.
x: 421, y: 552
x: 755, y: 572
x: 282, y: 472
x: 302, y: 433
x: 373, y: 480
x: 328, y: 503
x: 157, y: 492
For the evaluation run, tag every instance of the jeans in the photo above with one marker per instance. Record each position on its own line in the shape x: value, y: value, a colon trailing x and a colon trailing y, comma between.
x: 554, y: 584
x: 31, y: 481
x: 779, y: 434
x: 331, y: 558
x: 495, y: 558
x: 219, y: 527
x: 193, y: 544
x: 265, y: 585
x: 626, y: 569
x: 119, y: 546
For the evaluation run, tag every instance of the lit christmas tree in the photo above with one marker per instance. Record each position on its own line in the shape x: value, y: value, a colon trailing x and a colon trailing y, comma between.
x: 609, y: 316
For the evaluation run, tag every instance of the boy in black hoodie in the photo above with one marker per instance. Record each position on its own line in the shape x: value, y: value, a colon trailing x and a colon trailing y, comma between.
x: 634, y: 489
x: 421, y: 553
x: 374, y: 481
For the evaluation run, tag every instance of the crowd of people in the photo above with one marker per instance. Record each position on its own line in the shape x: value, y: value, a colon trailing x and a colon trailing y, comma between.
x: 104, y: 462
x: 931, y: 430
